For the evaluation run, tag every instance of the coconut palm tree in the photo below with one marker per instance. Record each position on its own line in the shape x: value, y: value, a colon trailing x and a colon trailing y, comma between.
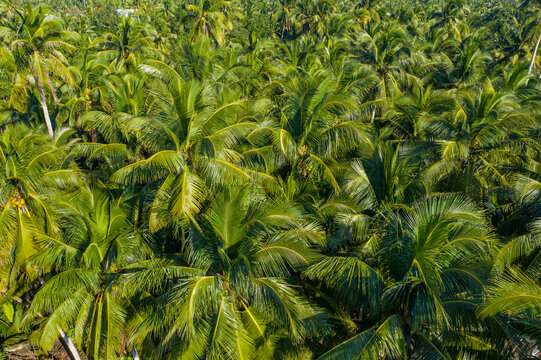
x: 32, y: 175
x: 88, y: 72
x: 314, y: 130
x: 412, y: 114
x: 212, y: 18
x: 284, y: 17
x: 122, y: 98
x: 416, y: 277
x: 36, y: 43
x: 486, y: 125
x: 82, y: 268
x: 381, y: 46
x: 191, y: 144
x: 235, y: 301
x: 123, y: 46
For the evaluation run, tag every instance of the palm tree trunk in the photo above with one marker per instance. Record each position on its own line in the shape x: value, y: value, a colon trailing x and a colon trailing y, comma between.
x: 534, y: 55
x: 94, y: 136
x: 205, y: 28
x: 407, y: 334
x: 468, y: 176
x: 50, y: 85
x: 74, y: 354
x: 43, y: 102
x: 134, y: 354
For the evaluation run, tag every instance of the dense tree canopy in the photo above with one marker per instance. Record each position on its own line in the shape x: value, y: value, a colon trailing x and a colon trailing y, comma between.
x: 278, y: 179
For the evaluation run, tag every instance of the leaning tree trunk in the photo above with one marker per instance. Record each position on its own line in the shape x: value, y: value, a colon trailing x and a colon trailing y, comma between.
x: 74, y: 354
x: 534, y: 55
x: 44, y: 107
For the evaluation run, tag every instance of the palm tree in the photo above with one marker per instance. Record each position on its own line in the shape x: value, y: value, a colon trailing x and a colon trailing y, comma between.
x: 88, y: 72
x: 210, y: 18
x: 284, y: 16
x: 485, y: 127
x: 380, y: 48
x: 384, y: 175
x: 35, y: 44
x: 191, y: 143
x: 313, y: 131
x: 121, y: 98
x: 412, y: 114
x: 31, y: 177
x: 82, y: 268
x: 416, y: 276
x: 516, y: 296
x: 123, y: 47
x: 229, y: 296
x: 458, y: 70
x: 514, y: 292
x: 318, y: 16
x: 534, y: 29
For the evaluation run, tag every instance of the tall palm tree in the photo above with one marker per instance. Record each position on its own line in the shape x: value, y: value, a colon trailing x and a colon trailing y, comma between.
x: 534, y: 30
x: 36, y: 43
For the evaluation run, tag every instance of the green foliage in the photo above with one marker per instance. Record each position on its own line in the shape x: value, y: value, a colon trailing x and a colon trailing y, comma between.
x: 280, y: 179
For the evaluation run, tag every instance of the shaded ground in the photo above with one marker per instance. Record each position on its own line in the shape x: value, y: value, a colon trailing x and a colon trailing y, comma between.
x: 24, y: 351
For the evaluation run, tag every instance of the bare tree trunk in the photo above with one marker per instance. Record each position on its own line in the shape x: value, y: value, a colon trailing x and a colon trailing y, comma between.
x: 74, y: 354
x: 44, y: 107
x: 534, y: 55
x: 134, y: 354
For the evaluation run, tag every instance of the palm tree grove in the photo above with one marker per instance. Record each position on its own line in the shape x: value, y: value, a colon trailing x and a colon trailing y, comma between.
x: 270, y: 179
